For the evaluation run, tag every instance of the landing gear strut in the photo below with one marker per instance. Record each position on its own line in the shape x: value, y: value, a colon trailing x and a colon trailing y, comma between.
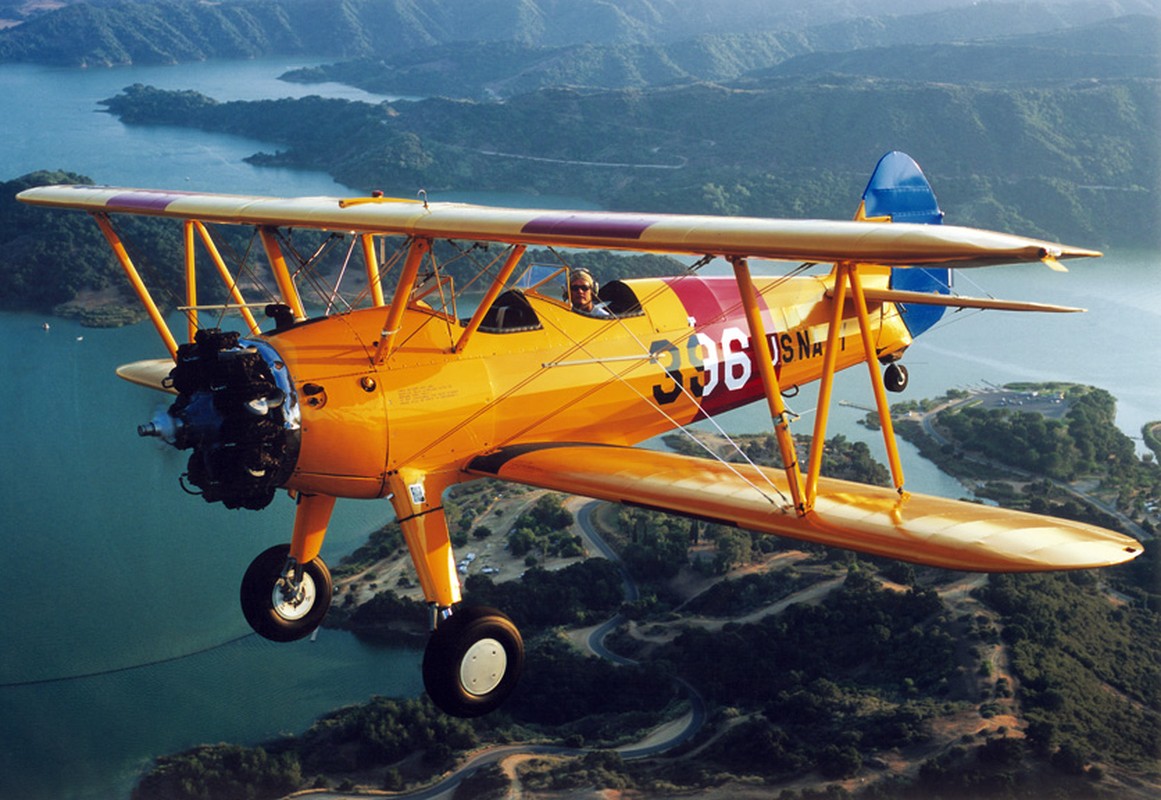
x: 283, y: 600
x: 473, y: 661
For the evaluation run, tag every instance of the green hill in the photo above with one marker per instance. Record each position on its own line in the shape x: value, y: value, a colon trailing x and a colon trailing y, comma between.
x: 1049, y: 130
x: 172, y: 31
x: 1072, y: 162
x: 1126, y: 47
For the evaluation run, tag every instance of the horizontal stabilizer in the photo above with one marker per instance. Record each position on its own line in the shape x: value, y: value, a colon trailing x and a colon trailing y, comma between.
x: 870, y: 519
x: 152, y: 373
x: 954, y: 301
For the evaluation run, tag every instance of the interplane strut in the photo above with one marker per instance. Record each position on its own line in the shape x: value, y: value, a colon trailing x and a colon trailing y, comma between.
x: 804, y: 491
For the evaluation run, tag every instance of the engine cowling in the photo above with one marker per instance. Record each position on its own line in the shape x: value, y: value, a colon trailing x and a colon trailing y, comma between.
x: 237, y: 410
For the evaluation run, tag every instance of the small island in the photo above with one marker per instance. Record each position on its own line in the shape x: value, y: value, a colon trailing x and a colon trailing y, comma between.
x: 751, y: 666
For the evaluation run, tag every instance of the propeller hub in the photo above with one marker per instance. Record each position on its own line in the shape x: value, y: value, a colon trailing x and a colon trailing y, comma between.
x: 162, y: 426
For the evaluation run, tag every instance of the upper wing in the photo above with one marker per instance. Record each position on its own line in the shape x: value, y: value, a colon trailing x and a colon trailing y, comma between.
x: 891, y: 244
x: 875, y: 520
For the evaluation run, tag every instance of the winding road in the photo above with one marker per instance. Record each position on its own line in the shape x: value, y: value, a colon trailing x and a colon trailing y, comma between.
x: 665, y: 737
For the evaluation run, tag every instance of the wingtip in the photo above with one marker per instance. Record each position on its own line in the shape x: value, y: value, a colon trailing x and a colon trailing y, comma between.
x: 152, y: 373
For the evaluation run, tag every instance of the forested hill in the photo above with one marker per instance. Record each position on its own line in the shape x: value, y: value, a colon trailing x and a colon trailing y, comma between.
x: 1038, y: 118
x: 171, y: 31
x: 1077, y: 163
x: 1124, y: 47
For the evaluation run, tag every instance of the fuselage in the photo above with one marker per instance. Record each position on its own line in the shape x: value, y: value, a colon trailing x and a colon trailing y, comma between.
x: 549, y: 374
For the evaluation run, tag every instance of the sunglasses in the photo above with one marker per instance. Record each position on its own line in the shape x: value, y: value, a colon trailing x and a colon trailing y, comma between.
x: 581, y: 288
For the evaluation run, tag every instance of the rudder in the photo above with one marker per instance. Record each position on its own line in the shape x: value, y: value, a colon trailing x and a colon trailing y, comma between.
x: 899, y: 191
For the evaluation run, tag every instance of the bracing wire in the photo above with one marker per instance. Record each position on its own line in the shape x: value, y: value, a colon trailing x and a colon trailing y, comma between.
x: 646, y: 357
x: 684, y: 429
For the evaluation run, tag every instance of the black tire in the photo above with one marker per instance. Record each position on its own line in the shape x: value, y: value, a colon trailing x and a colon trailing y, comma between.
x: 895, y: 377
x: 272, y: 618
x: 473, y: 661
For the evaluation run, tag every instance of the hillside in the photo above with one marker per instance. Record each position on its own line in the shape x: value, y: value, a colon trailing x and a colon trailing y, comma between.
x: 952, y: 47
x: 173, y: 31
x: 1126, y: 47
x: 1072, y: 162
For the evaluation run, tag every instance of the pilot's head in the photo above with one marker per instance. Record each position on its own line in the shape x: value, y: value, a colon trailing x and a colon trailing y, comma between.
x: 582, y: 289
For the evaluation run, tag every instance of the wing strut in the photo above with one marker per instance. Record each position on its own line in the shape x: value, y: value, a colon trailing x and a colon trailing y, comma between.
x: 191, y: 280
x: 281, y: 271
x: 847, y: 273
x: 826, y: 381
x: 846, y: 276
x: 876, y: 379
x: 489, y: 297
x: 228, y: 280
x: 415, y: 253
x: 138, y: 285
x: 765, y: 360
x: 372, y: 265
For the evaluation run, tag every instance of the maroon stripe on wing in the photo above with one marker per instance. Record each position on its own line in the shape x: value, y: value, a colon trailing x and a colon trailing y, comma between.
x: 594, y: 225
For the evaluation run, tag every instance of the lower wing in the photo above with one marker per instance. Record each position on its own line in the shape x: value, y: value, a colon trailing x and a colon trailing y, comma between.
x: 870, y: 519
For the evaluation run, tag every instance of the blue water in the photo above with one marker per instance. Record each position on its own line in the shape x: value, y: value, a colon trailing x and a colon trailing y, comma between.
x: 110, y: 565
x: 51, y: 120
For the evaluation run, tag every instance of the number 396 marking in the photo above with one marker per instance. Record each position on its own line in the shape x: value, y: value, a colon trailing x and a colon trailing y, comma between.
x: 710, y: 364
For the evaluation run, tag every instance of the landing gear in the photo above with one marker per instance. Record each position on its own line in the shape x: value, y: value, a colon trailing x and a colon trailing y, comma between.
x: 285, y: 601
x: 473, y: 661
x: 895, y: 377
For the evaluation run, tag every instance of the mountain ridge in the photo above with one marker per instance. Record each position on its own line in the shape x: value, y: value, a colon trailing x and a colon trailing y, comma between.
x: 173, y: 31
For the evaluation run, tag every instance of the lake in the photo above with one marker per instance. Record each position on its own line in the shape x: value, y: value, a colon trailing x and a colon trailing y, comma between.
x: 124, y: 639
x: 118, y: 575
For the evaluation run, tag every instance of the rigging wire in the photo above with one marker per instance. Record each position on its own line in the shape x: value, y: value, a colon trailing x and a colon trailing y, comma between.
x: 339, y: 280
x: 647, y: 357
x: 724, y: 314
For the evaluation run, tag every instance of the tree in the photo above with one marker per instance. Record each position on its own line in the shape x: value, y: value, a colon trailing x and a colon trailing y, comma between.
x: 733, y: 547
x: 223, y: 771
x: 839, y: 761
x: 521, y: 541
x: 549, y: 512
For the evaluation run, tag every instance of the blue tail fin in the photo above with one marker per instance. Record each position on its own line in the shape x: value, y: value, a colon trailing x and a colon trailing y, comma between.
x: 899, y: 190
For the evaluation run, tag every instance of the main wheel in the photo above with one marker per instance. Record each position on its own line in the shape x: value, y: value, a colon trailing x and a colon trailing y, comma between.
x: 473, y: 662
x: 268, y: 608
x: 895, y: 377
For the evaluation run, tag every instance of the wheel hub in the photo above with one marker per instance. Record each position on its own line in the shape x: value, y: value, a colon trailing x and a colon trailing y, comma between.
x: 292, y: 603
x: 483, y: 667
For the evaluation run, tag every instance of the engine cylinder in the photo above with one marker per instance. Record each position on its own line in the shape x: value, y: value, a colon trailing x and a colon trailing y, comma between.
x: 236, y: 409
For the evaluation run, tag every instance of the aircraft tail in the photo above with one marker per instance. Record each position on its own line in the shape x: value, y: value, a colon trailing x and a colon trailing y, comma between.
x: 898, y: 191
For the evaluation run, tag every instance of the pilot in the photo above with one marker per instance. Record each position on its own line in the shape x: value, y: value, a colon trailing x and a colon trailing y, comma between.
x: 582, y: 293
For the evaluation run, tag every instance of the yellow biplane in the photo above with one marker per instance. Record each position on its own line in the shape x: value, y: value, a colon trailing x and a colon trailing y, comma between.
x: 400, y: 396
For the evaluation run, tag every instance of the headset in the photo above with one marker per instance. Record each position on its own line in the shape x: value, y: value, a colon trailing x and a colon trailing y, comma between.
x: 582, y: 272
